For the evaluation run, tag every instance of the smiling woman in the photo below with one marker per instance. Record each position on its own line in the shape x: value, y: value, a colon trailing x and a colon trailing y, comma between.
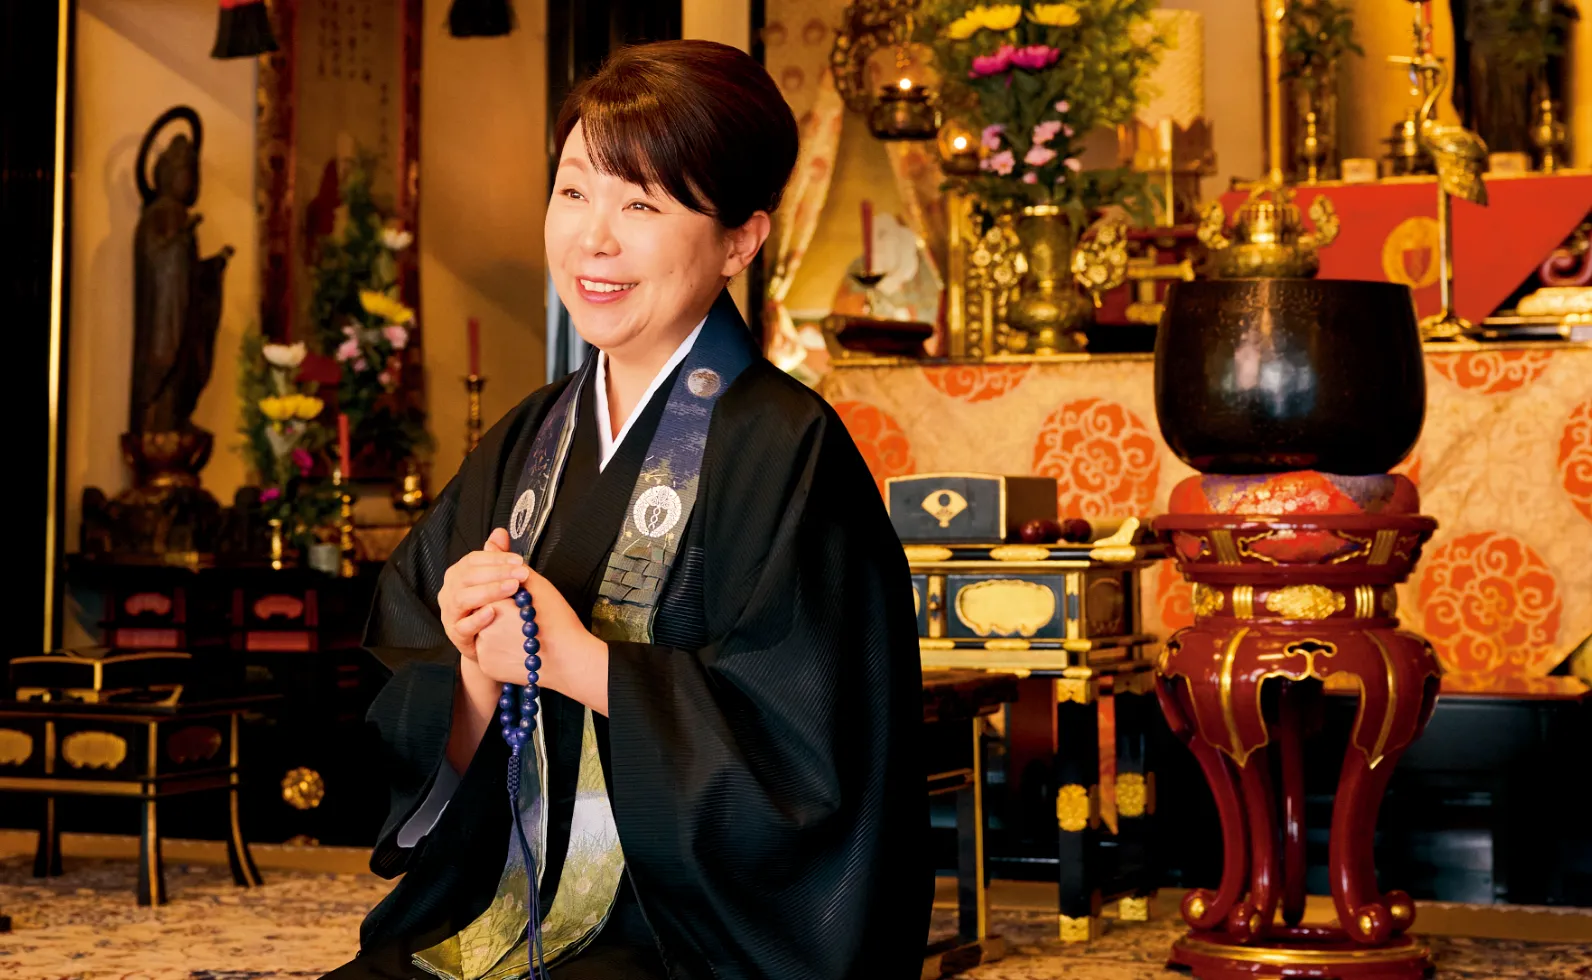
x: 671, y: 578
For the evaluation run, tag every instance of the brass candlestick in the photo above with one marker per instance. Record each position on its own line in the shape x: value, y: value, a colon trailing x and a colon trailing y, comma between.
x: 345, y: 525
x: 1272, y: 14
x: 277, y: 561
x: 472, y: 427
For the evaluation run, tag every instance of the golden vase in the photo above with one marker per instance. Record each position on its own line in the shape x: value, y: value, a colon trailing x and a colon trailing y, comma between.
x: 1048, y: 309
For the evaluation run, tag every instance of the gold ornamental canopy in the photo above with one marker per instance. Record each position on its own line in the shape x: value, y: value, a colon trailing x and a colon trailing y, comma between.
x: 1267, y: 238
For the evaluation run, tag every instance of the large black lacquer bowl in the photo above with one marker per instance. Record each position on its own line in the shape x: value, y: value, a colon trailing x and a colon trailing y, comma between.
x: 1268, y: 375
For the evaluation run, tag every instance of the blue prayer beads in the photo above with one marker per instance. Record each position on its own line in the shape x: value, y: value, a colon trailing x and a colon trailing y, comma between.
x: 517, y: 728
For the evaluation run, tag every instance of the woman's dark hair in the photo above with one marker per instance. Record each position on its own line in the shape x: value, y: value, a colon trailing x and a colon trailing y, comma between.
x: 701, y: 120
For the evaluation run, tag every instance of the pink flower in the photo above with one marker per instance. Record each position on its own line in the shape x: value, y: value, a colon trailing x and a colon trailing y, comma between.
x: 1046, y: 131
x: 1063, y: 106
x: 348, y: 350
x: 1073, y: 164
x: 992, y: 64
x: 1030, y: 178
x: 1002, y: 162
x: 991, y: 140
x: 396, y: 335
x: 385, y: 378
x: 1039, y: 156
x: 360, y: 365
x: 303, y: 460
x: 1035, y: 57
x: 1066, y: 130
x: 269, y: 495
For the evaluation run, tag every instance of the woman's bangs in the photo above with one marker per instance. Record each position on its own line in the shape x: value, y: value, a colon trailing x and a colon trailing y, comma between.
x: 626, y: 141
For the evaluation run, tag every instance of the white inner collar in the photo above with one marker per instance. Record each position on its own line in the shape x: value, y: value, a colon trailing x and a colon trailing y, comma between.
x: 606, y: 441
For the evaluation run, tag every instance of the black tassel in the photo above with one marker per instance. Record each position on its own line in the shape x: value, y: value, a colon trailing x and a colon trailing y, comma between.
x: 244, y: 30
x: 480, y: 18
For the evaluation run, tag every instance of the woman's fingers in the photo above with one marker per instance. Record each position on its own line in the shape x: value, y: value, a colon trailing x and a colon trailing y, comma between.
x: 497, y: 541
x: 487, y: 559
x: 487, y: 574
x: 476, y: 596
x: 469, y: 626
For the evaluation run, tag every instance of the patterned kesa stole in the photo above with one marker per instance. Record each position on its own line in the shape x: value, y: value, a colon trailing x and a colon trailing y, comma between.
x: 495, y: 945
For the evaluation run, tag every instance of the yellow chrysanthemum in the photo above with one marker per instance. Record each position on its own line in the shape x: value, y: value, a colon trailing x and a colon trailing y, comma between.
x: 307, y: 407
x: 1054, y: 14
x: 279, y: 408
x: 1002, y: 17
x: 963, y: 27
x: 384, y: 306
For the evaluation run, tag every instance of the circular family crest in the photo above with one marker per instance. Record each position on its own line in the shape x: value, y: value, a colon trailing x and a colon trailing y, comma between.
x: 657, y: 511
x: 703, y: 382
x: 520, y: 520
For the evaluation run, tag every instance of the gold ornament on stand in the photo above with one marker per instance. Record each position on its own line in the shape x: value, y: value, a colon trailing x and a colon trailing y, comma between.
x: 346, y: 567
x: 1461, y: 157
x: 1267, y: 239
x: 1548, y: 136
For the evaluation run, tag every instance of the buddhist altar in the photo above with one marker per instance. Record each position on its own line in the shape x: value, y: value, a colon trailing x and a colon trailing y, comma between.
x: 1504, y: 463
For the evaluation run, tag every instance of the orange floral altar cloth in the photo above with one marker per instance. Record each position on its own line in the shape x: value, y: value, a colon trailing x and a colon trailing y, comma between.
x: 1504, y: 464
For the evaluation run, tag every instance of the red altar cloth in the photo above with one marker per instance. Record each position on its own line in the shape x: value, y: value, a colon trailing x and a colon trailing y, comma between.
x: 1389, y: 234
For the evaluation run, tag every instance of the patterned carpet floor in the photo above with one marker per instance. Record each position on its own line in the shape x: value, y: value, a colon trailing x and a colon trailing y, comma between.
x: 86, y: 926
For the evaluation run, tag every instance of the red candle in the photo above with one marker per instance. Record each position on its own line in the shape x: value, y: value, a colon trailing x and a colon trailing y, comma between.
x: 867, y: 238
x: 475, y: 347
x: 343, y: 459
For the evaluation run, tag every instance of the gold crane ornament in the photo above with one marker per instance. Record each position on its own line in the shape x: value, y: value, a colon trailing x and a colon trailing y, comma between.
x: 1461, y: 158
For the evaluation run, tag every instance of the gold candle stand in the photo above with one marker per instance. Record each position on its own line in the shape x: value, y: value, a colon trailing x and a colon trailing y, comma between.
x: 1272, y: 13
x: 277, y: 562
x: 345, y: 526
x: 472, y: 428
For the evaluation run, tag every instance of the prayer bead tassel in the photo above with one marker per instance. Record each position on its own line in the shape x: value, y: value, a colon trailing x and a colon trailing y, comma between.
x: 517, y: 731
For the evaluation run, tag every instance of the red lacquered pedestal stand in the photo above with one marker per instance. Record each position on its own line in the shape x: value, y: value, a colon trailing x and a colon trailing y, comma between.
x: 1283, y: 605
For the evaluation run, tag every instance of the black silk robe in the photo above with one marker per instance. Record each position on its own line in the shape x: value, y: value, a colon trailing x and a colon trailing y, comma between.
x: 762, y: 754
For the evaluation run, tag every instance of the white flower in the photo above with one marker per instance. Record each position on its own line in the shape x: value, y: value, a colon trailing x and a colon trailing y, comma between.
x: 396, y: 239
x: 285, y: 356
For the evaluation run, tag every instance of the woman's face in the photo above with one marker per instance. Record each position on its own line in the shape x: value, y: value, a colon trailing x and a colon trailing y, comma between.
x: 635, y: 267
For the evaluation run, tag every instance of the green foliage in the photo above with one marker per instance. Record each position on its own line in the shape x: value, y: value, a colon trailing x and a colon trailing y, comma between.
x: 1317, y: 34
x: 1102, y: 59
x: 1522, y: 34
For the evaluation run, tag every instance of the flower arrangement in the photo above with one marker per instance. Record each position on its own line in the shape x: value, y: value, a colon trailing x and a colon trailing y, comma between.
x: 361, y: 322
x: 282, y: 437
x: 1038, y: 77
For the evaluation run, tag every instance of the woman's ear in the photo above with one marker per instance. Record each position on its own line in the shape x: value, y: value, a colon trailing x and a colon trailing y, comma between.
x: 742, y: 243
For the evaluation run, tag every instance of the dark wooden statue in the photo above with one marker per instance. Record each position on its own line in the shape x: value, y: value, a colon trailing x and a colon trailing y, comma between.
x: 165, y: 515
x: 176, y: 294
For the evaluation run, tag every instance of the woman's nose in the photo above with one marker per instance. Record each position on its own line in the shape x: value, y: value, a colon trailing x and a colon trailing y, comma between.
x: 597, y: 236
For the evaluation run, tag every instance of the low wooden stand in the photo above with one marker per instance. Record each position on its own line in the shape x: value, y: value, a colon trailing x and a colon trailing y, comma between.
x: 148, y: 752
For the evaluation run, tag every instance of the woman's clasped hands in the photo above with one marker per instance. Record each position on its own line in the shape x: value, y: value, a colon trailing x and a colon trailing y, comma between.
x: 476, y: 606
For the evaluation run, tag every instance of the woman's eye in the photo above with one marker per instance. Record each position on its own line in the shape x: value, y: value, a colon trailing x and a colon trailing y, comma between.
x: 573, y: 194
x: 641, y: 206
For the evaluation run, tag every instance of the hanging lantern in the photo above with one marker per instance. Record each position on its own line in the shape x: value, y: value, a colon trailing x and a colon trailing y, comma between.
x: 243, y: 30
x: 903, y: 111
x: 480, y: 18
